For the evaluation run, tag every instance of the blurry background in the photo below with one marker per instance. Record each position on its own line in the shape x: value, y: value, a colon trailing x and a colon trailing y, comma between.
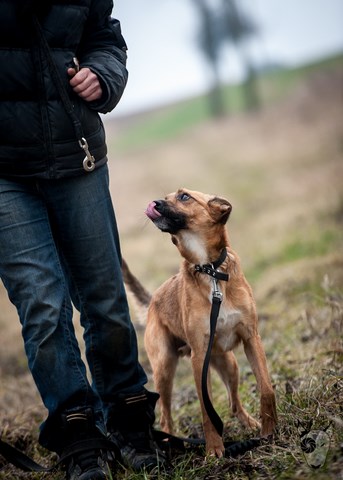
x: 166, y: 59
x: 243, y: 99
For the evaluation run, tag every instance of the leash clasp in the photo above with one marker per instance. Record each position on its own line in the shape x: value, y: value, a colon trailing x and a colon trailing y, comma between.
x: 216, y: 293
x: 89, y: 161
x: 76, y: 65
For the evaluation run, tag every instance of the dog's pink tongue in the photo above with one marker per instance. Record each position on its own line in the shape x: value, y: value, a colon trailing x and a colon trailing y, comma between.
x: 151, y: 211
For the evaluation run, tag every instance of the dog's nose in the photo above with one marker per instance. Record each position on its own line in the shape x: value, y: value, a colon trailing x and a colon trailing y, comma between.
x: 158, y: 204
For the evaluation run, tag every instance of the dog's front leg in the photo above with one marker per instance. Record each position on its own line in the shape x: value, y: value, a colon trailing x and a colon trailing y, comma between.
x: 255, y: 353
x: 214, y: 442
x: 227, y: 368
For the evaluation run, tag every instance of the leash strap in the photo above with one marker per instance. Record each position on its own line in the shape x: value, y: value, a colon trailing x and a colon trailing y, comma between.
x: 167, y: 442
x: 27, y: 464
x: 211, y: 270
x: 20, y: 460
x: 214, y: 417
x: 89, y: 161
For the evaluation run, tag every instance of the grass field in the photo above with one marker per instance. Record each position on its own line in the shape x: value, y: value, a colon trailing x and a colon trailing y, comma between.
x: 282, y: 170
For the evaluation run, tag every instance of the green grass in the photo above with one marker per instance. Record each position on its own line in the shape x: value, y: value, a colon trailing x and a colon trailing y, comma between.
x: 276, y: 84
x: 164, y: 124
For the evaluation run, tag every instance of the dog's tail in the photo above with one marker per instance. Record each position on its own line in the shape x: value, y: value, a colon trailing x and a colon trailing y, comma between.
x: 139, y: 293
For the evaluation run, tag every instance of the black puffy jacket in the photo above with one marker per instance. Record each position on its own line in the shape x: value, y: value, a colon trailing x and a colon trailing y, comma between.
x: 37, y: 137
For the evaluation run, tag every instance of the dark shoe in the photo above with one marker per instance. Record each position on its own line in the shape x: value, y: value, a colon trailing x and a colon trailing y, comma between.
x: 130, y: 428
x: 85, y: 454
x: 87, y: 465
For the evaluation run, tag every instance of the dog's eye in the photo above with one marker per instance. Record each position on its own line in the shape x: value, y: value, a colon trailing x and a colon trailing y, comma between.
x: 183, y: 197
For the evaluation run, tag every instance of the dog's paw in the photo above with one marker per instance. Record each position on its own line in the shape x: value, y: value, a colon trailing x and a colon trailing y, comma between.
x: 268, y: 415
x: 215, y: 449
x: 247, y: 420
x: 253, y: 424
x: 268, y: 427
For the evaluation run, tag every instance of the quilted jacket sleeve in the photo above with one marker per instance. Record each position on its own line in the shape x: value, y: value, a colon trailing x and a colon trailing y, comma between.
x: 103, y: 50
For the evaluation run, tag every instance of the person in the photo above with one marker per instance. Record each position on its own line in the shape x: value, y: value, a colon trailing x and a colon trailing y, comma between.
x: 59, y: 244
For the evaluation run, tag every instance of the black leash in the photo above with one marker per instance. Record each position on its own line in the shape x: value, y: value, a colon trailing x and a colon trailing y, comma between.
x: 27, y: 464
x: 214, y: 417
x: 89, y: 161
x: 166, y: 442
x: 217, y: 297
x: 20, y: 460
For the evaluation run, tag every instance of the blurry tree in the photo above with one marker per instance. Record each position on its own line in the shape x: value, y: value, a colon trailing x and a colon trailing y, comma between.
x: 223, y: 22
x: 209, y: 42
x: 238, y: 27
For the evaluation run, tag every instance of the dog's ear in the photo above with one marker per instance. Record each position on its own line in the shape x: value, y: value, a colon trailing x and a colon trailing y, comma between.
x: 219, y: 209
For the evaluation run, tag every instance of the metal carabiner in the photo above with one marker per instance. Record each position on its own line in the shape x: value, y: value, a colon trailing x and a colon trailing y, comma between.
x: 89, y: 161
x: 76, y: 65
x: 216, y: 293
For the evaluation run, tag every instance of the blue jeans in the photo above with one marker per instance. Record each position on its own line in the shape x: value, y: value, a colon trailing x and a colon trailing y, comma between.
x: 59, y: 245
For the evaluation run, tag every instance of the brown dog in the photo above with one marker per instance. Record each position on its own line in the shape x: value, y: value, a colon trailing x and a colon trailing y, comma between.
x: 179, y: 311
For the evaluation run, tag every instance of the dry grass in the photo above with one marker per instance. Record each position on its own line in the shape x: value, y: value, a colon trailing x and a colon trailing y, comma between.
x: 282, y: 170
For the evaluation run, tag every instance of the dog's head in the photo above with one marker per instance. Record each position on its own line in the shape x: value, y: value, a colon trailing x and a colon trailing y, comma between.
x: 190, y: 217
x: 188, y: 210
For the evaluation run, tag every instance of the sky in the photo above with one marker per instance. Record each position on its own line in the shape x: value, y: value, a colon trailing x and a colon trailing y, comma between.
x: 164, y: 61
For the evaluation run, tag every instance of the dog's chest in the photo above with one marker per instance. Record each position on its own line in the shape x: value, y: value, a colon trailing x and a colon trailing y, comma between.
x: 226, y: 336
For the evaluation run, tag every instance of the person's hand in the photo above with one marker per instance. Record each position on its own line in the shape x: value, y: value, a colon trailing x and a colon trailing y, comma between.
x: 85, y: 83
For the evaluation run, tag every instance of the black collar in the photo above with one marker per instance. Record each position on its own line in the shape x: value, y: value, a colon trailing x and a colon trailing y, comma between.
x: 211, y: 268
